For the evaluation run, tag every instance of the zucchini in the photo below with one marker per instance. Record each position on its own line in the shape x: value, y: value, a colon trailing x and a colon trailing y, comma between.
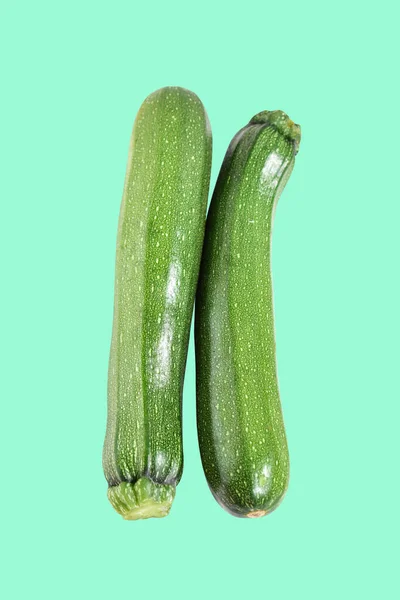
x: 239, y: 418
x: 159, y: 243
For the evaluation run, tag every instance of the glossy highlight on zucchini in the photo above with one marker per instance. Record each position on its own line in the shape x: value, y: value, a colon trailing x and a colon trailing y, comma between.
x: 159, y: 244
x: 239, y: 418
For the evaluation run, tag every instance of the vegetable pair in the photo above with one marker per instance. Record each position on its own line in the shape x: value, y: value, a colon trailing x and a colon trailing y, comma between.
x: 159, y: 248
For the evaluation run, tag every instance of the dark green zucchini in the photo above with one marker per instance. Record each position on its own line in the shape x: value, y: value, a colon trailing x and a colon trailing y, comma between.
x: 159, y: 245
x: 241, y: 431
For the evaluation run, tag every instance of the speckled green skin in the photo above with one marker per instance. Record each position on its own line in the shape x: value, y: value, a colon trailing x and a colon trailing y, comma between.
x: 160, y: 237
x: 241, y: 431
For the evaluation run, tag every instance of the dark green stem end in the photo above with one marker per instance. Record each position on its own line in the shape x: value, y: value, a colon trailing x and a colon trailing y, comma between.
x: 141, y: 500
x: 280, y: 120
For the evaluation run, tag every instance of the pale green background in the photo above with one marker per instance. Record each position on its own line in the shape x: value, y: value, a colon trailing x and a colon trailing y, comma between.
x: 74, y: 74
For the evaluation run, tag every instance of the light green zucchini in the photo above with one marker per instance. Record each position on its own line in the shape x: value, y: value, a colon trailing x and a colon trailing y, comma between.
x: 241, y: 431
x: 160, y: 237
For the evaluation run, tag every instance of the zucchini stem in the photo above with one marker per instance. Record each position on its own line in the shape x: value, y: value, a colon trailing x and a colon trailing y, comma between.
x: 141, y: 500
x: 280, y: 120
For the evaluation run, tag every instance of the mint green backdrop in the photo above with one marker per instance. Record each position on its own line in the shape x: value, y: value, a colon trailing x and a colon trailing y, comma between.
x: 74, y: 75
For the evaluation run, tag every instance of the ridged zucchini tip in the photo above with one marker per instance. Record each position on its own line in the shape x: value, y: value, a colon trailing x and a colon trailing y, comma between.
x: 141, y: 500
x: 281, y: 121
